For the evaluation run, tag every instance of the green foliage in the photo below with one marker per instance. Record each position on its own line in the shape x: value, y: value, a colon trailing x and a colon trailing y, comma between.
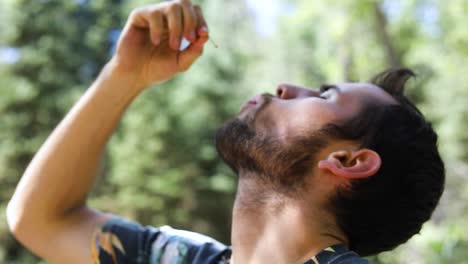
x: 161, y: 166
x: 63, y: 45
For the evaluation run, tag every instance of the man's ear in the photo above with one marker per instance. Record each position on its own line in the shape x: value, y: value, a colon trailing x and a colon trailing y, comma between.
x: 352, y: 165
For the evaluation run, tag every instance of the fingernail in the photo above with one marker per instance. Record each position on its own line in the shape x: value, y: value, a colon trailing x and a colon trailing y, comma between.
x: 204, y: 29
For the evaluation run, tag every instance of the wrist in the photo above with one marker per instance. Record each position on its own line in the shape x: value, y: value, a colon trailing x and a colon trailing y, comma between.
x: 130, y: 78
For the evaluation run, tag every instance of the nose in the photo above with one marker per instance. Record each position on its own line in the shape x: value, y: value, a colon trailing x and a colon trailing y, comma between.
x: 289, y: 91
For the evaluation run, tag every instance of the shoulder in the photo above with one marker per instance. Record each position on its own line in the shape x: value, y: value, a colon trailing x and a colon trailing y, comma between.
x: 174, y: 244
x: 120, y: 239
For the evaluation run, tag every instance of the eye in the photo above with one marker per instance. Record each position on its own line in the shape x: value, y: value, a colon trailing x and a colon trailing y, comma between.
x: 324, y: 89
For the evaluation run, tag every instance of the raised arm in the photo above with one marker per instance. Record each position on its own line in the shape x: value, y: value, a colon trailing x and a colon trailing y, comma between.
x: 48, y: 211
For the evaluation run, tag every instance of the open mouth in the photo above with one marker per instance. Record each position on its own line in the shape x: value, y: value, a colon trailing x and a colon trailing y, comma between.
x: 257, y: 101
x: 254, y: 101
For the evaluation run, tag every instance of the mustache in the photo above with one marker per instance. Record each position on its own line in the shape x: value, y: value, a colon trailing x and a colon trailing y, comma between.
x: 267, y: 98
x: 267, y: 95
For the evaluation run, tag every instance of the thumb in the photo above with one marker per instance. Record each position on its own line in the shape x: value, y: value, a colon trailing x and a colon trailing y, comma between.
x: 192, y: 52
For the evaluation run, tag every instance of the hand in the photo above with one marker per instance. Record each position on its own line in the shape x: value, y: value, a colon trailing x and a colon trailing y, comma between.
x: 148, y: 49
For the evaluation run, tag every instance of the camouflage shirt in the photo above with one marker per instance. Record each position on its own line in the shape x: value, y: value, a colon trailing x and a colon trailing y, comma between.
x: 120, y: 241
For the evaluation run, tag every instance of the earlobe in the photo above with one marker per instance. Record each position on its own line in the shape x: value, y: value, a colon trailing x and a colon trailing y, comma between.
x: 357, y: 165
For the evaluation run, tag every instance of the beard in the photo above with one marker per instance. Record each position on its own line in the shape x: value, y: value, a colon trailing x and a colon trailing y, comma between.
x: 283, y: 166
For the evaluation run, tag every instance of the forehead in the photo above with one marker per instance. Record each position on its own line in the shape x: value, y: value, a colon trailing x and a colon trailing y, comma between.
x: 365, y: 91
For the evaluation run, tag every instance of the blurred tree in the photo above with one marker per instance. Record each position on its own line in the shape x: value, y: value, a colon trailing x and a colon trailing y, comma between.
x: 62, y: 46
x: 162, y: 167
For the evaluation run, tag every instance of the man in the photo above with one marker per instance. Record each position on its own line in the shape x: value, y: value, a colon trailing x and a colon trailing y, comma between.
x: 323, y: 174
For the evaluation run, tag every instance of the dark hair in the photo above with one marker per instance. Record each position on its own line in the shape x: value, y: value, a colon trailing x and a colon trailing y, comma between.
x: 380, y: 212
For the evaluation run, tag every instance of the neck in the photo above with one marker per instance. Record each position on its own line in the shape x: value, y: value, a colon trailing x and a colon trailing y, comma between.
x: 271, y: 228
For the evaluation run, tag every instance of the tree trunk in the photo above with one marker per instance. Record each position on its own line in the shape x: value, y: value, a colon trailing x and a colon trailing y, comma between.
x: 381, y: 30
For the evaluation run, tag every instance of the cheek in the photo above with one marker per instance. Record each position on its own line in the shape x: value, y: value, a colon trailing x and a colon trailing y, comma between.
x: 267, y: 121
x: 288, y: 120
x: 310, y: 119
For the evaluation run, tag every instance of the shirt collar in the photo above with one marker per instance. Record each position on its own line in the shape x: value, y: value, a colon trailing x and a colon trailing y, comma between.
x: 327, y: 254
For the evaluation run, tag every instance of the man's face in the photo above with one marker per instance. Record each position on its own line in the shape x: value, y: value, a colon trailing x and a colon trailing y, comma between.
x: 277, y: 137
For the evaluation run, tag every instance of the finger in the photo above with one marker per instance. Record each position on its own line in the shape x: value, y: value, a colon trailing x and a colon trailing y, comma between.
x: 201, y: 22
x: 190, y: 20
x: 132, y: 31
x: 156, y: 24
x: 174, y: 20
x: 138, y: 18
x: 189, y: 55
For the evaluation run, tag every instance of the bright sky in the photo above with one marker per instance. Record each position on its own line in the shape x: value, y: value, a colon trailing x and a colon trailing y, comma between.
x: 266, y: 12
